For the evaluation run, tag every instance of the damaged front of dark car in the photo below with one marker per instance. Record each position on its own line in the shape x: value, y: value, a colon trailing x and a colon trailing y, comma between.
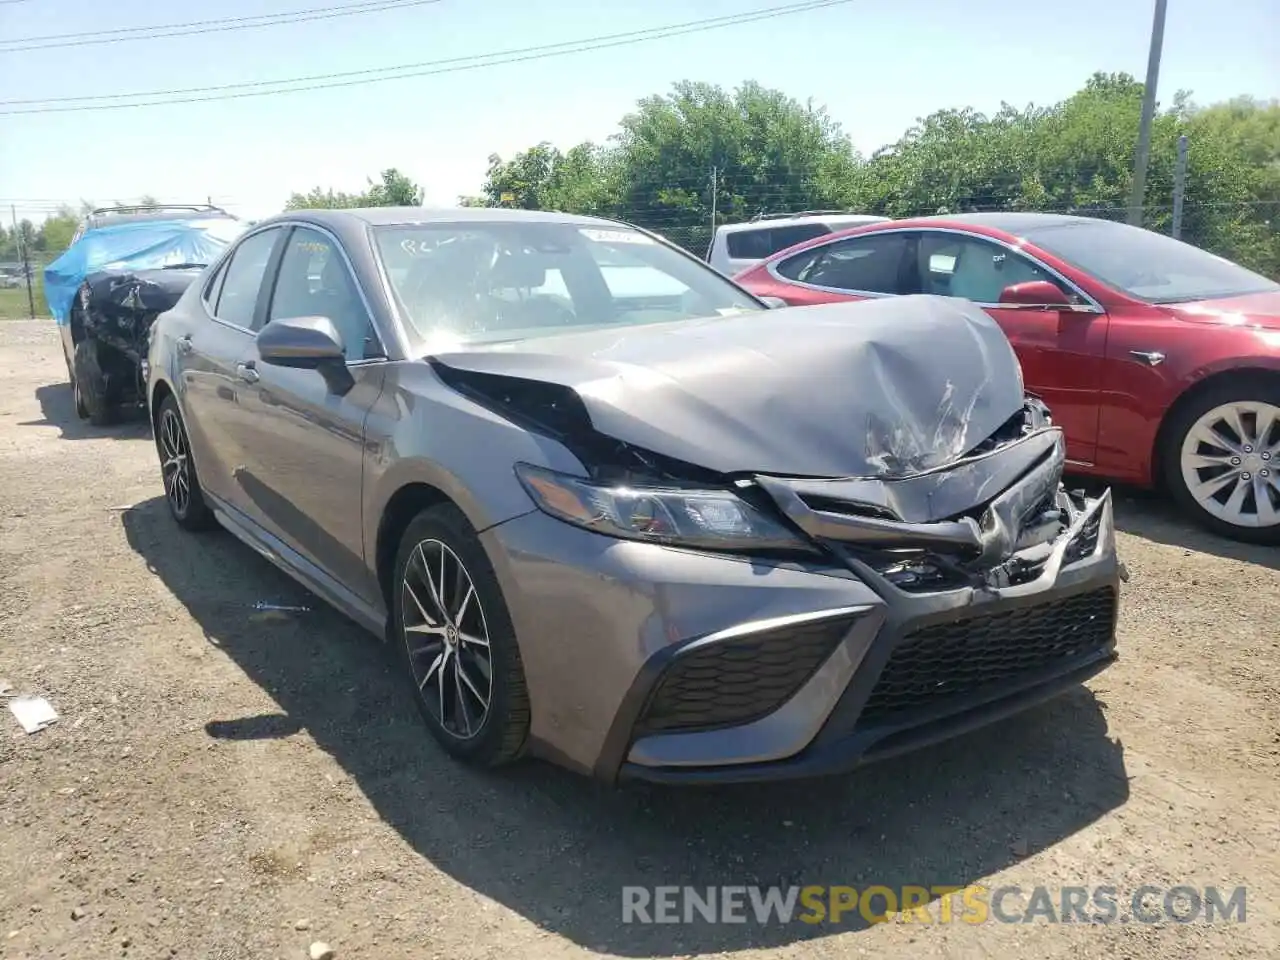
x: 848, y: 522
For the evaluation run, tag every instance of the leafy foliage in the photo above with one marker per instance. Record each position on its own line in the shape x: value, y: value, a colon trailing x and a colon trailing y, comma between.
x: 392, y: 189
x: 772, y: 153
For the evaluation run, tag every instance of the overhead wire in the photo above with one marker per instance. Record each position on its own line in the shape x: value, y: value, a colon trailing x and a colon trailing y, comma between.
x: 221, y: 25
x: 233, y: 91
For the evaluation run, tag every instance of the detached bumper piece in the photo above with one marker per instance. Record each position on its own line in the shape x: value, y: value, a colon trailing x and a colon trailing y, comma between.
x: 991, y: 604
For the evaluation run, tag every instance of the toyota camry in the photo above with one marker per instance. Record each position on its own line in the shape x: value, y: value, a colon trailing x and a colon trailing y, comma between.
x: 610, y: 509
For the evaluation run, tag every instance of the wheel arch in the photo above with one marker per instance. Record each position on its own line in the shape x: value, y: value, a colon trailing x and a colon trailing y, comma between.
x: 1195, y: 390
x: 406, y: 503
x: 159, y: 392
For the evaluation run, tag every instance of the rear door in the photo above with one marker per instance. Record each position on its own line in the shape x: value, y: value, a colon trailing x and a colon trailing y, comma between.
x: 303, y: 443
x: 207, y: 353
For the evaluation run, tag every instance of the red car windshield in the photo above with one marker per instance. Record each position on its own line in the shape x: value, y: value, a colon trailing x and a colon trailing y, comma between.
x: 1146, y: 265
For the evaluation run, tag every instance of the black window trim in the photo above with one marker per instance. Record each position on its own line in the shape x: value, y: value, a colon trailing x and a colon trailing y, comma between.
x: 217, y: 276
x: 278, y: 256
x: 772, y: 267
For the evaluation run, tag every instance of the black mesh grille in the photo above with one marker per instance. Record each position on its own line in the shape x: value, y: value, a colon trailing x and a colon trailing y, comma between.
x: 739, y: 680
x: 952, y: 659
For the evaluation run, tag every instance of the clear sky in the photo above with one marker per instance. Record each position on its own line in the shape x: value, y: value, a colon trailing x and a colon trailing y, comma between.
x: 876, y: 64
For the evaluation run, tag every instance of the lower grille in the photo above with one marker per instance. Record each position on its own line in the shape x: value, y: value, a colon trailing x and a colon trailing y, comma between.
x: 739, y: 680
x: 953, y: 659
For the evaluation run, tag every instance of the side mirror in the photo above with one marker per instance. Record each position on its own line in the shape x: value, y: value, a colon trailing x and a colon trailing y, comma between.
x: 774, y: 303
x: 1035, y: 293
x: 307, y: 343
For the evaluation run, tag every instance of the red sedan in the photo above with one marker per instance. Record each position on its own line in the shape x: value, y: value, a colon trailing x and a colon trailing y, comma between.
x: 1160, y: 361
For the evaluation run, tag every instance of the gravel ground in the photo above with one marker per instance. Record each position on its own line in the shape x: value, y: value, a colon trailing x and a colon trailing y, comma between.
x: 224, y: 785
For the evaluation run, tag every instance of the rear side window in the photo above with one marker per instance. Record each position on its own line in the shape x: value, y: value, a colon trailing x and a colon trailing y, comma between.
x: 243, y: 279
x: 869, y: 264
x: 764, y: 242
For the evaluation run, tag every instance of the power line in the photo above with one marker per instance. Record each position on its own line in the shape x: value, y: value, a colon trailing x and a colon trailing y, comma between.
x: 119, y: 34
x: 425, y: 68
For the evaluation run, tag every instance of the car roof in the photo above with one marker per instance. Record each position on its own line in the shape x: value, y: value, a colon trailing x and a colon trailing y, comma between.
x: 110, y: 215
x: 831, y: 219
x: 1014, y: 222
x: 408, y: 216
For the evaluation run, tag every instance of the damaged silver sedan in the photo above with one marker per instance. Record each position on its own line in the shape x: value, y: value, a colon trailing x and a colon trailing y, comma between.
x: 609, y: 509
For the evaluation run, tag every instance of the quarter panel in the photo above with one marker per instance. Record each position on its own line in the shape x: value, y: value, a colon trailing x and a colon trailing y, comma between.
x: 1137, y: 395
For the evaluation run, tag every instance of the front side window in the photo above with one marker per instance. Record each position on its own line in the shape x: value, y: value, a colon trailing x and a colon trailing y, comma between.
x: 242, y: 279
x: 876, y: 263
x: 952, y: 265
x: 476, y: 282
x: 314, y: 282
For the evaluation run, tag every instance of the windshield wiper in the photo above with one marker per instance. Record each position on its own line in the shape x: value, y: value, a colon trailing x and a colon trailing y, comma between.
x: 183, y: 266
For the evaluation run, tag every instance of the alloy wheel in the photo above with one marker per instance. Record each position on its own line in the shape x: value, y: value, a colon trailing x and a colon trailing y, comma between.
x: 1230, y: 461
x: 175, y: 464
x: 447, y: 638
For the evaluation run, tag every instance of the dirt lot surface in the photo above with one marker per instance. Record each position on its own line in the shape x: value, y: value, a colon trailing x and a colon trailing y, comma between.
x: 223, y: 785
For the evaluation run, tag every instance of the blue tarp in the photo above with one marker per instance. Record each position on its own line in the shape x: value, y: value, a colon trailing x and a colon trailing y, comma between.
x: 141, y: 245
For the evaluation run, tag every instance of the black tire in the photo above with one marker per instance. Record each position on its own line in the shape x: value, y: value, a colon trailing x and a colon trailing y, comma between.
x: 1180, y: 424
x: 192, y: 511
x: 90, y: 385
x: 81, y: 411
x: 501, y: 735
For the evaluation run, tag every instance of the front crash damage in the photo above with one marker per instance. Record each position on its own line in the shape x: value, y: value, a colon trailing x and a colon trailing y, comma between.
x: 894, y: 434
x: 912, y: 463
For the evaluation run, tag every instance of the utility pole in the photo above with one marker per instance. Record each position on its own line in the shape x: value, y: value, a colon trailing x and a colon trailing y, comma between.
x: 714, y: 191
x: 1179, y: 186
x: 26, y: 264
x: 1140, y: 157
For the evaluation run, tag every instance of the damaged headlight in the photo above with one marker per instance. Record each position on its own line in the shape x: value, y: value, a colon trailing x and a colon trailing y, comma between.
x: 714, y: 519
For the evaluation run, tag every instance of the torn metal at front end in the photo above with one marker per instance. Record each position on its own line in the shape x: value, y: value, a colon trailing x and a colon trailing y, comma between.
x: 995, y: 520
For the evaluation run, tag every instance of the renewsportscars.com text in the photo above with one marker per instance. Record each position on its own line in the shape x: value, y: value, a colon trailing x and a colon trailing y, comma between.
x: 934, y: 904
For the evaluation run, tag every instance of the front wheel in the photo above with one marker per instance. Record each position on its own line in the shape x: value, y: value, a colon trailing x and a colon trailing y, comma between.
x: 182, y: 488
x: 90, y: 385
x: 1222, y: 460
x: 456, y: 642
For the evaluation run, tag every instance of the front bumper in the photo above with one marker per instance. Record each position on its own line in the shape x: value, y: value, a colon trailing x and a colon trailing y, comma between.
x: 604, y: 625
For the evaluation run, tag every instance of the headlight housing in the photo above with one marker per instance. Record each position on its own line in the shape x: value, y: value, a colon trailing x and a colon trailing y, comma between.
x: 676, y: 516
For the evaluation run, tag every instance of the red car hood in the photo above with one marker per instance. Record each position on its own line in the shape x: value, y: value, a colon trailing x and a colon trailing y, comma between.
x: 1257, y: 310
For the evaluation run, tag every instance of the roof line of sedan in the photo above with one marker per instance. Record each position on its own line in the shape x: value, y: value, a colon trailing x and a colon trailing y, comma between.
x: 408, y: 216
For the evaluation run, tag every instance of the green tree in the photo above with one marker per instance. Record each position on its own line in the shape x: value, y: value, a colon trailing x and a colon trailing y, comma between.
x: 392, y: 189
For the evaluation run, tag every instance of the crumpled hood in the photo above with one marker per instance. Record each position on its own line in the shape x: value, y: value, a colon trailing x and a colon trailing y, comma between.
x: 877, y: 388
x: 1256, y: 310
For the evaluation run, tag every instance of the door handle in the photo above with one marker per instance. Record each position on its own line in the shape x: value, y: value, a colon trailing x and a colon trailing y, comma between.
x: 184, y: 345
x: 246, y: 372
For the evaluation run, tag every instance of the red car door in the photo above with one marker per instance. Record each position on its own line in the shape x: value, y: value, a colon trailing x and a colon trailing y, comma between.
x: 1062, y: 351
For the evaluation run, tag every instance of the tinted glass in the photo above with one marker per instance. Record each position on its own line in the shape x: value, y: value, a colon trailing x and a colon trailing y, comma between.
x: 763, y: 242
x: 978, y: 270
x: 1147, y: 265
x: 243, y: 280
x: 870, y: 264
x: 476, y: 282
x: 314, y: 282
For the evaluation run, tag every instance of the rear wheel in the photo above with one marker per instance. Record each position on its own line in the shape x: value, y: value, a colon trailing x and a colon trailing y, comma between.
x: 455, y: 639
x: 181, y: 484
x: 89, y: 382
x: 1222, y: 460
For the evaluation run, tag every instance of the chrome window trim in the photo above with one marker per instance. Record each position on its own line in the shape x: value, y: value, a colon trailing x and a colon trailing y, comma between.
x: 1018, y: 248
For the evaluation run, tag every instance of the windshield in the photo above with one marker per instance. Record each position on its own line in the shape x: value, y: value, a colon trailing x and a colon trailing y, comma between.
x: 1146, y: 265
x: 485, y: 282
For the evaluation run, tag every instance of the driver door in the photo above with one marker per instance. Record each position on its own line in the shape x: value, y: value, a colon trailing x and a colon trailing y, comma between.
x: 1062, y: 352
